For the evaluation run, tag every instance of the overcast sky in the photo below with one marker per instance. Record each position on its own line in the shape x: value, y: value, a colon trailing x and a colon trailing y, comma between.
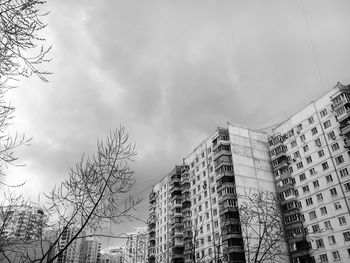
x: 171, y: 72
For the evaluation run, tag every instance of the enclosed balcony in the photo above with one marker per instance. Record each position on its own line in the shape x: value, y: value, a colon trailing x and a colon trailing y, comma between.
x: 278, y: 151
x: 341, y: 99
x: 343, y: 113
x: 345, y: 128
x: 276, y: 140
x: 347, y: 143
x: 281, y: 163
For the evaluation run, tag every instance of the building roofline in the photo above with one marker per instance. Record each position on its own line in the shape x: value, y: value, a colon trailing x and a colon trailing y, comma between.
x: 275, y: 126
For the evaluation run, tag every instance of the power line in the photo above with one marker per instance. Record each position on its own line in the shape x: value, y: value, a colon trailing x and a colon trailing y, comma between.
x: 312, y: 45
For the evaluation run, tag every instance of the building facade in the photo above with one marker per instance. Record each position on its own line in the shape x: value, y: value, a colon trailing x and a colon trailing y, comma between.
x: 136, y: 246
x: 204, y: 196
x: 159, y: 222
x: 90, y: 250
x: 310, y: 157
x: 304, y: 161
x: 23, y: 222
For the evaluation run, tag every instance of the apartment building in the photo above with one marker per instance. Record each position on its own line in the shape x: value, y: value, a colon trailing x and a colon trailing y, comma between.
x: 158, y: 222
x: 136, y: 246
x: 23, y: 222
x: 204, y: 195
x: 310, y: 158
x: 90, y: 250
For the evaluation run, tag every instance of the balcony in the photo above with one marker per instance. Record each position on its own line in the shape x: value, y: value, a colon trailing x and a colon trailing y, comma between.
x: 281, y: 163
x: 347, y: 143
x: 344, y: 114
x: 284, y: 187
x: 345, y: 130
x: 341, y: 100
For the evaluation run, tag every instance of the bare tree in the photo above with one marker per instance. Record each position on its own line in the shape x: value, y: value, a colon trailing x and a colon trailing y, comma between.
x: 91, y: 196
x: 21, y: 239
x: 21, y: 54
x: 21, y: 49
x: 95, y: 193
x: 262, y: 227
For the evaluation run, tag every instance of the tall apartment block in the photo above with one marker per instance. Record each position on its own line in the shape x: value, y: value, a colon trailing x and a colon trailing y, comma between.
x: 158, y: 222
x: 136, y: 245
x: 23, y: 222
x: 202, y: 197
x: 310, y: 158
x: 90, y: 250
x: 304, y: 160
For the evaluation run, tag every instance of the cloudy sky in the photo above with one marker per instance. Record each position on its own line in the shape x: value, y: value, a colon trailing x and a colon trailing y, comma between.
x: 171, y: 72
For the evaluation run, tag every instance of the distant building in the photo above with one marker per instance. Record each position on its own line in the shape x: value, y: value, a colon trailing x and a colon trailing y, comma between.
x: 72, y: 253
x: 21, y: 233
x: 136, y: 246
x: 90, y: 251
x: 115, y: 255
x: 23, y: 222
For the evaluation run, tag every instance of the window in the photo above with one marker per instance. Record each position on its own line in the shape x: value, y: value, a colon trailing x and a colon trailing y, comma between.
x: 323, y: 210
x: 315, y: 228
x: 213, y: 189
x: 299, y: 127
x: 323, y: 258
x: 302, y: 177
x: 329, y: 178
x: 302, y: 137
x: 342, y: 220
x: 335, y: 147
x: 312, y: 215
x: 305, y: 148
x: 347, y: 187
x: 216, y: 224
x: 314, y: 130
x: 318, y: 142
x: 316, y: 184
x: 327, y: 224
x: 323, y: 112
x: 309, y: 201
x: 320, y: 153
x: 319, y: 197
x: 296, y: 154
x: 335, y: 255
x: 300, y: 165
x: 344, y: 172
x: 327, y: 124
x: 312, y: 171
x: 339, y: 159
x: 337, y: 206
x: 331, y: 135
x: 319, y: 243
x: 215, y: 212
x: 325, y: 166
x: 306, y: 189
x: 293, y: 143
x: 311, y: 120
x: 208, y: 227
x: 309, y: 159
x: 333, y: 191
x: 346, y: 236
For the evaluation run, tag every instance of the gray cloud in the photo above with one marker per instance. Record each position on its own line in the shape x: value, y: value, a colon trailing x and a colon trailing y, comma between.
x: 171, y: 71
